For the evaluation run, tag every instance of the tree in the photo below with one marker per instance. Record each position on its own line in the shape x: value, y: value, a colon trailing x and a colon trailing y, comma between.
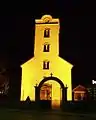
x: 6, y: 87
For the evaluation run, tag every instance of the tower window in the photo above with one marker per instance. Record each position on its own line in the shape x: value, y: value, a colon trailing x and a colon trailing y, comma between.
x: 47, y: 32
x: 46, y: 48
x: 45, y: 64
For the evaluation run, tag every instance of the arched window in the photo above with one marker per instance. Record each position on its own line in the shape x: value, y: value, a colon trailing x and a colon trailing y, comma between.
x: 47, y: 32
x: 46, y: 48
x: 45, y: 64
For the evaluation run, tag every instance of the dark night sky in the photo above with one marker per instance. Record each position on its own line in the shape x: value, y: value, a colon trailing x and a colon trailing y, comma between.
x: 77, y: 36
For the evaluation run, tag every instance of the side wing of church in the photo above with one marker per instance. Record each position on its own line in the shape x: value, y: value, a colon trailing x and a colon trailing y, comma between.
x: 46, y: 61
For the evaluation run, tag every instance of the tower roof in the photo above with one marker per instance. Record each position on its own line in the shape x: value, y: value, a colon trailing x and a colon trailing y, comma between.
x: 47, y: 19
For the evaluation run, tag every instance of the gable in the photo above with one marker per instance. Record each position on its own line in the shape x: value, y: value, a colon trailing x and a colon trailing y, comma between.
x: 66, y: 62
x: 79, y: 88
x: 27, y: 62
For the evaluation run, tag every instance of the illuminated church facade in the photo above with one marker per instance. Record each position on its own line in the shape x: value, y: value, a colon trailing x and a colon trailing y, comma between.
x: 46, y: 67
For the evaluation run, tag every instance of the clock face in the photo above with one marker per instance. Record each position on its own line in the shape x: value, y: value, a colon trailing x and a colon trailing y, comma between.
x: 46, y: 19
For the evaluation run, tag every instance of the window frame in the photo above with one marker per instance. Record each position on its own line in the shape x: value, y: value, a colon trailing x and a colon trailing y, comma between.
x: 46, y: 32
x: 46, y: 64
x: 46, y: 47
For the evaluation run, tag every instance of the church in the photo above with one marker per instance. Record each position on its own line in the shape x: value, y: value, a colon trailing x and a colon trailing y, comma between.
x: 46, y: 76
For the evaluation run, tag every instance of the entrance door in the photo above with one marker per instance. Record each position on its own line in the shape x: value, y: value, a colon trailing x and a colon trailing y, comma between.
x: 46, y: 92
x: 46, y: 95
x: 54, y: 93
x: 50, y: 93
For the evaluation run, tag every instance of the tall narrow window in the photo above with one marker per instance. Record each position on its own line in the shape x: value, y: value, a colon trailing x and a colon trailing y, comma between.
x: 45, y: 64
x: 46, y: 48
x: 47, y: 32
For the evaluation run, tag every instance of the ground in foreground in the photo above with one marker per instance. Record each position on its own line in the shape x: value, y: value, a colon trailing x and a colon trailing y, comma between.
x: 9, y: 114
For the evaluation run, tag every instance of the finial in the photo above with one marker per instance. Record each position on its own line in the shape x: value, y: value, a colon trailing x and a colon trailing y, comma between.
x: 36, y: 83
x: 66, y: 86
x: 51, y: 74
x: 44, y: 76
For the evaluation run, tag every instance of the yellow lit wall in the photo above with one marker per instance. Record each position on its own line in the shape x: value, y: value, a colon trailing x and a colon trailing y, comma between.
x: 33, y: 72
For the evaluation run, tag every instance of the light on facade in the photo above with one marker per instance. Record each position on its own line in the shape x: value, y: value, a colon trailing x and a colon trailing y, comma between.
x: 46, y: 62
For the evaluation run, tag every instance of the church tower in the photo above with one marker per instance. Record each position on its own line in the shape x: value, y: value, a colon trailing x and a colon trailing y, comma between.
x: 46, y: 61
x: 46, y: 37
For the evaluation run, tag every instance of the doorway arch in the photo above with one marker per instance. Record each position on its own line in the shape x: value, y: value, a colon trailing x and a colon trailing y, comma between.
x: 63, y: 88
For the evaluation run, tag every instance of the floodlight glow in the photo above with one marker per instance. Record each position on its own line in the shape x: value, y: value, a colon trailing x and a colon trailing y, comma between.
x: 33, y: 71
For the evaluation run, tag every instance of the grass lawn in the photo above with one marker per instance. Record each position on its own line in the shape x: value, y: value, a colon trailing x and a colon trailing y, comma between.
x: 6, y: 114
x: 9, y: 114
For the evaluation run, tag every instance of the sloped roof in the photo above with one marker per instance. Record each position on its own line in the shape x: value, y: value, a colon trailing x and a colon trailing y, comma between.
x: 79, y: 88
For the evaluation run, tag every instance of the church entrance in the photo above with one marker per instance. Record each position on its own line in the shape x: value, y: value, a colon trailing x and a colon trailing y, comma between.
x: 51, y: 92
x: 46, y: 95
x: 46, y: 91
